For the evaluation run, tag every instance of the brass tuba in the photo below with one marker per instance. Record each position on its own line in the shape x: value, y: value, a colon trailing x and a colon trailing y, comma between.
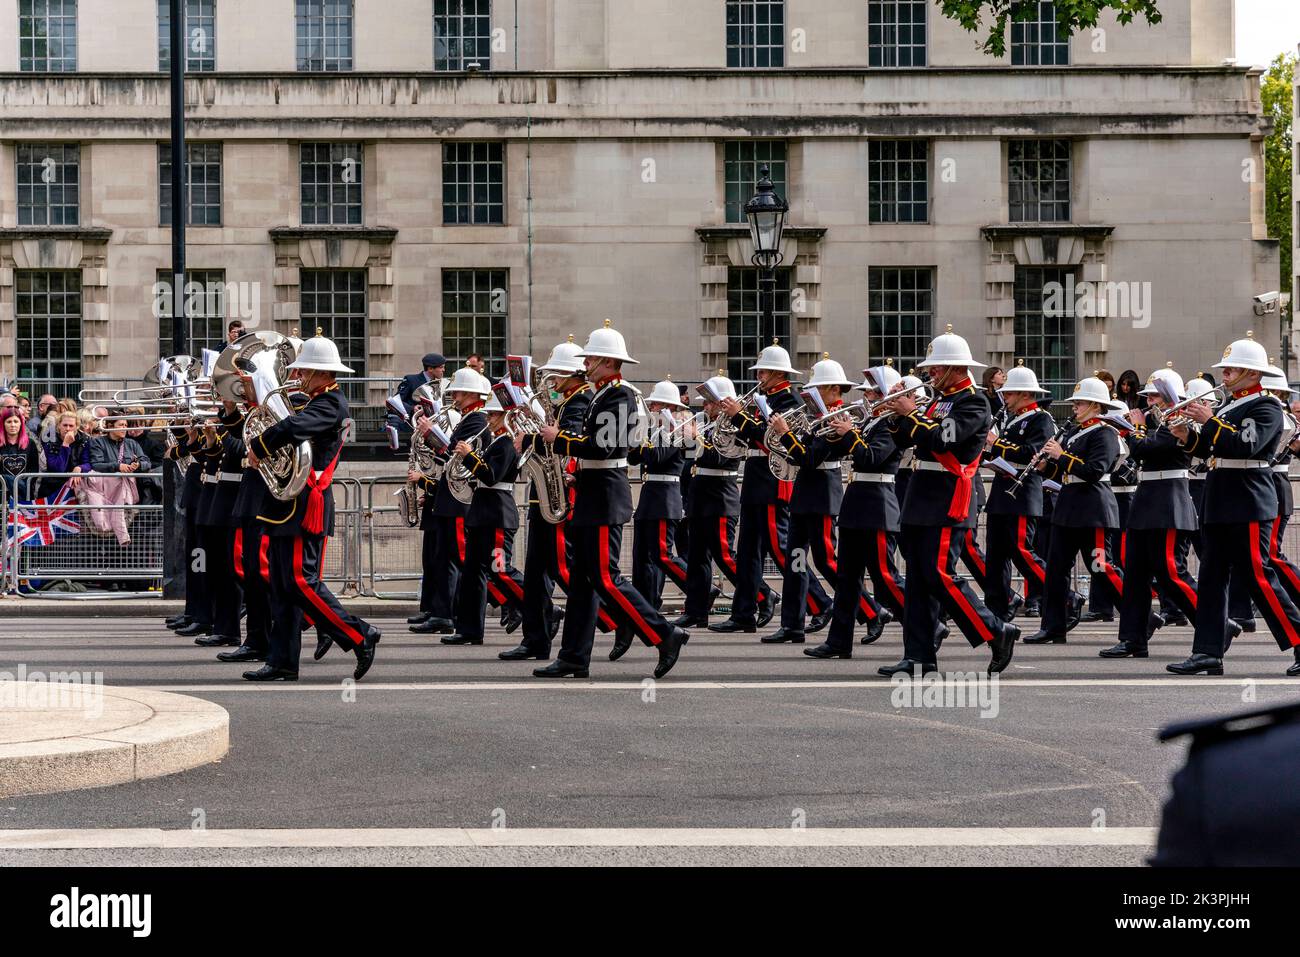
x: 542, y: 464
x: 782, y: 466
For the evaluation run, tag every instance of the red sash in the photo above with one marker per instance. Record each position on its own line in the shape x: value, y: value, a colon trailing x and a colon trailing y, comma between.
x: 959, y: 508
x: 314, y: 520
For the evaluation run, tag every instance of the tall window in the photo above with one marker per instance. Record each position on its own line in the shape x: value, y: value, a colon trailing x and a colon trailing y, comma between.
x: 324, y: 36
x: 331, y: 183
x: 47, y: 36
x: 205, y: 310
x: 334, y: 300
x: 1045, y: 337
x: 900, y: 314
x: 1038, y: 181
x: 896, y: 32
x: 462, y: 34
x: 200, y: 35
x: 49, y: 184
x: 755, y: 33
x: 742, y: 159
x: 47, y: 306
x: 898, y: 174
x: 473, y: 183
x: 747, y: 332
x: 476, y: 316
x: 202, y: 182
x: 1037, y: 41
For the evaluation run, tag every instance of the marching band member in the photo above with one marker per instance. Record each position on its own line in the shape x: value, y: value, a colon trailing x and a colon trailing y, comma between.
x: 546, y: 559
x: 949, y: 436
x: 226, y: 440
x: 1161, y: 522
x: 814, y: 505
x: 764, y: 501
x: 659, y: 509
x: 1015, y: 501
x: 868, y: 520
x: 715, y: 505
x: 490, y: 526
x: 1287, y: 573
x: 444, y: 515
x: 1080, y: 462
x: 1240, y: 508
x: 196, y: 619
x: 298, y: 528
x: 602, y: 505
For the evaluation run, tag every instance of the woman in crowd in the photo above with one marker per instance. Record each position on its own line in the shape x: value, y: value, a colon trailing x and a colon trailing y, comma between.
x: 67, y: 452
x: 1128, y: 390
x: 18, y: 452
x: 994, y: 379
x: 114, y: 452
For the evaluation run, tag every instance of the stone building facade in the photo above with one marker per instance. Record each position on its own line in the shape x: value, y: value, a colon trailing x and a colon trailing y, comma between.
x: 467, y: 175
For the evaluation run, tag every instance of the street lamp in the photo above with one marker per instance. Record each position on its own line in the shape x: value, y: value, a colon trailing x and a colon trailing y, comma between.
x: 766, y: 214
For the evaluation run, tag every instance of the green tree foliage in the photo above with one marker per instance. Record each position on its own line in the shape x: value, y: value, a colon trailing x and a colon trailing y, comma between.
x: 1071, y: 16
x: 1275, y: 91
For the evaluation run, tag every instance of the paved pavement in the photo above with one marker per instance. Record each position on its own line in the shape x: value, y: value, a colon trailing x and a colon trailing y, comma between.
x: 740, y: 735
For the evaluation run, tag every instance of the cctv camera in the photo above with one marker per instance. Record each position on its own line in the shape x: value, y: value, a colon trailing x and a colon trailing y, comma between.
x: 1264, y: 298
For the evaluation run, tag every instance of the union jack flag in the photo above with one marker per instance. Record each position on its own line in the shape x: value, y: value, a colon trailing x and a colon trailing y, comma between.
x: 42, y: 521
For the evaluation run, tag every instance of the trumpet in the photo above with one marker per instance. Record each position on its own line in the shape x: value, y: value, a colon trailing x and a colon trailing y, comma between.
x: 925, y: 395
x: 1170, y: 417
x: 858, y: 415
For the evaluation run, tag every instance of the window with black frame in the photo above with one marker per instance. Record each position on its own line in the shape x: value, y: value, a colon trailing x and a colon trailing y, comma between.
x: 462, y: 34
x: 1045, y: 327
x: 47, y: 36
x: 334, y: 301
x: 1038, y: 181
x: 476, y: 317
x: 49, y: 184
x: 755, y: 33
x: 47, y: 314
x: 473, y: 183
x: 748, y: 333
x: 742, y: 160
x: 1039, y: 39
x: 900, y: 314
x: 898, y: 181
x: 205, y: 310
x: 200, y: 36
x: 324, y: 35
x: 896, y: 33
x: 331, y: 183
x: 202, y: 183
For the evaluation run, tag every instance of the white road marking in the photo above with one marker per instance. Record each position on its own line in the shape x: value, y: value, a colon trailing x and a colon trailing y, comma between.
x: 134, y: 838
x: 573, y: 685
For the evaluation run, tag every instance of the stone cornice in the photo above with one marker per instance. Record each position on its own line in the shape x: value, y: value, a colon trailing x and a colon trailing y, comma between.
x: 374, y: 234
x: 91, y: 234
x: 741, y: 231
x: 1020, y: 230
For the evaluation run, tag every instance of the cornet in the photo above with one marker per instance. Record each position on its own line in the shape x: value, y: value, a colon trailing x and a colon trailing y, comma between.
x: 925, y: 395
x: 823, y: 426
x: 1169, y: 416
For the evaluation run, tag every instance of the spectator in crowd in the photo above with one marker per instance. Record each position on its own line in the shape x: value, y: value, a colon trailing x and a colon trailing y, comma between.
x: 39, y: 425
x: 234, y: 330
x: 9, y: 400
x: 68, y: 405
x: 1127, y: 389
x: 19, y: 453
x: 112, y: 456
x: 434, y: 367
x: 68, y: 451
x: 1107, y: 378
x: 475, y: 361
x: 154, y: 444
x: 87, y: 423
x: 994, y: 379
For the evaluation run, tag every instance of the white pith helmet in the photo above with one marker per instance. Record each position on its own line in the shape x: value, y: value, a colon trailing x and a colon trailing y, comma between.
x: 1276, y: 383
x: 565, y: 358
x: 911, y: 382
x: 493, y: 404
x: 467, y: 380
x: 721, y: 386
x: 1245, y: 354
x: 1168, y: 375
x: 1198, y: 387
x: 1093, y: 389
x: 774, y: 358
x: 607, y: 343
x: 1021, y: 378
x: 880, y: 379
x: 666, y: 392
x: 829, y: 372
x: 320, y: 354
x: 949, y: 349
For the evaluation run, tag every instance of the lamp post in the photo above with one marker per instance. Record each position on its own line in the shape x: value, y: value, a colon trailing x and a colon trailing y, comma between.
x: 174, y: 557
x: 766, y: 215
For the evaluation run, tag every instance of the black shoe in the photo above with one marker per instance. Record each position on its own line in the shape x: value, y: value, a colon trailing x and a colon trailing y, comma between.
x: 1155, y: 621
x: 876, y: 627
x: 731, y: 627
x: 824, y: 650
x: 1294, y: 670
x: 1233, y: 630
x: 523, y: 653
x: 560, y: 669
x: 434, y: 626
x: 819, y: 621
x: 767, y: 609
x: 1013, y: 609
x: 1247, y: 624
x: 242, y: 653
x: 218, y: 641
x: 194, y: 629
x: 1123, y: 650
x: 267, y: 673
x: 323, y: 642
x: 512, y: 619
x: 940, y: 636
x: 418, y: 617
x: 1003, y: 647
x: 1175, y: 619
x: 622, y: 642
x: 783, y: 635
x: 1045, y: 637
x: 366, y: 654
x: 178, y: 621
x: 553, y: 626
x: 1097, y: 616
x: 1033, y: 609
x: 714, y: 593
x: 1197, y: 664
x: 459, y: 639
x: 669, y: 650
x: 690, y: 621
x: 906, y: 666
x: 1075, y: 613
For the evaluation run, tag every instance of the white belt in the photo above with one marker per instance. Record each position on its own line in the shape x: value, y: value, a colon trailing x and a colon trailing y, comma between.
x: 928, y: 466
x: 502, y: 487
x: 1071, y: 479
x: 1121, y: 489
x: 830, y: 466
x: 207, y: 479
x: 1238, y: 464
x: 728, y: 473
x: 1196, y: 476
x: 1282, y: 469
x: 603, y: 463
x: 661, y: 478
x: 1146, y: 476
x: 881, y: 477
x: 231, y: 476
x: 756, y: 454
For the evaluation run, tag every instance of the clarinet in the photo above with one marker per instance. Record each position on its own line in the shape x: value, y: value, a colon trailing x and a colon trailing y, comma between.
x: 1060, y: 434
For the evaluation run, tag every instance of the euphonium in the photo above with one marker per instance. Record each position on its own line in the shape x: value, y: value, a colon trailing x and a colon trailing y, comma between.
x: 726, y: 431
x: 410, y: 497
x: 542, y: 465
x: 460, y: 480
x: 287, y: 469
x: 782, y: 466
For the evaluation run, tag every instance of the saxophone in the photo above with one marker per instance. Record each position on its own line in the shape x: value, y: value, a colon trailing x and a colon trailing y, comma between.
x: 541, y: 463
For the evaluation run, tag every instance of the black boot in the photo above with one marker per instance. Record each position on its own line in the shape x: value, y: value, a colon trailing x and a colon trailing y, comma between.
x: 323, y: 643
x: 824, y: 650
x: 1155, y: 621
x: 459, y: 639
x: 1294, y: 670
x: 1123, y: 650
x: 622, y: 642
x: 876, y: 627
x: 1003, y: 647
x: 669, y: 650
x: 418, y: 617
x: 1075, y: 612
x: 907, y: 666
x: 768, y: 609
x: 940, y: 636
x: 560, y: 668
x: 783, y: 635
x: 1197, y: 664
x: 242, y: 653
x: 523, y: 653
x: 434, y: 626
x: 691, y: 621
x: 366, y: 654
x: 1045, y: 637
x: 1013, y: 609
x: 217, y: 641
x: 267, y: 673
x: 731, y: 627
